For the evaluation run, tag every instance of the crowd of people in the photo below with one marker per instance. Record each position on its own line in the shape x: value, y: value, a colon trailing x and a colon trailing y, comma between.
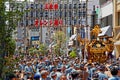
x: 50, y: 67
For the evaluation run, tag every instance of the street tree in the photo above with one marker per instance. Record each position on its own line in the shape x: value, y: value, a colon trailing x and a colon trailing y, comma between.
x: 60, y: 42
x: 10, y: 13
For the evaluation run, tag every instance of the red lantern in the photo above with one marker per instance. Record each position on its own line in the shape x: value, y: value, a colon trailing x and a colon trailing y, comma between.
x: 56, y: 22
x: 51, y: 6
x: 55, y: 6
x: 46, y: 6
x: 36, y: 22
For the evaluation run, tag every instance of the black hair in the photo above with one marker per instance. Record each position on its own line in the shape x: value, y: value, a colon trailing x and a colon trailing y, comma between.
x: 114, y: 71
x: 11, y: 76
x: 74, y: 75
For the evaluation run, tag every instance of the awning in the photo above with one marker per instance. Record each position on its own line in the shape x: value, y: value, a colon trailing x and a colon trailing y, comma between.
x: 73, y: 37
x: 117, y: 43
x: 106, y: 31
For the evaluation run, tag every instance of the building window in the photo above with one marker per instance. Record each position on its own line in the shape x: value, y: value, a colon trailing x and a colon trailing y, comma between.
x: 60, y: 6
x: 41, y: 6
x: 119, y: 19
x: 32, y: 6
x: 26, y: 22
x: 84, y: 5
x: 46, y: 14
x: 79, y: 6
x: 41, y: 14
x: 37, y: 14
x: 36, y: 6
x: 31, y: 14
x: 75, y: 6
x: 70, y: 6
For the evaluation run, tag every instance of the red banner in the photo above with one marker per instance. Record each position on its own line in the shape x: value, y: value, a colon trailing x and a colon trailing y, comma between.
x: 61, y: 22
x: 50, y: 22
x: 50, y: 6
x: 46, y: 6
x: 56, y: 22
x: 36, y: 23
x: 41, y: 23
x: 55, y: 6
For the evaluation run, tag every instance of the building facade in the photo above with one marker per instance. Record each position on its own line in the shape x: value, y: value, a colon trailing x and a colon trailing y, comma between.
x: 106, y: 18
x: 106, y: 12
x: 38, y: 24
x: 65, y: 13
x: 116, y: 26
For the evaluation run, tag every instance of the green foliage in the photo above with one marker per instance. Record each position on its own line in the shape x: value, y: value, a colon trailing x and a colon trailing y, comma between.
x: 60, y: 39
x: 43, y: 49
x: 73, y: 54
x: 8, y: 22
x: 10, y: 47
x: 9, y: 63
x: 56, y: 49
x: 31, y: 50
